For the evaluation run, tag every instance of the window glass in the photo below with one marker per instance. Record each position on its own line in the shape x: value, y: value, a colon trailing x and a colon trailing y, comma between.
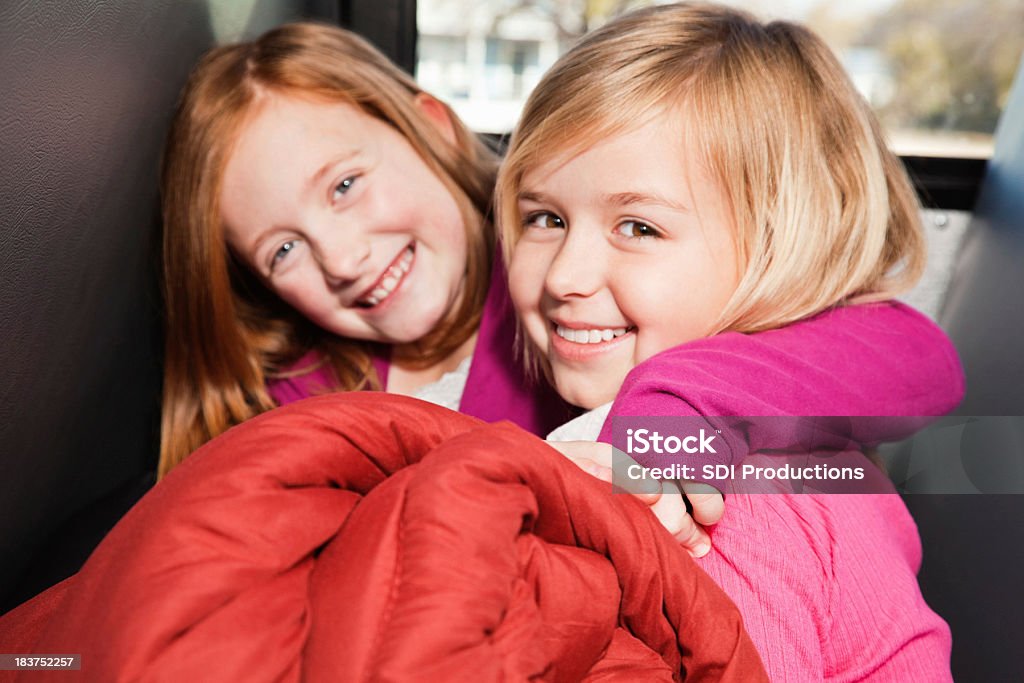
x: 938, y: 72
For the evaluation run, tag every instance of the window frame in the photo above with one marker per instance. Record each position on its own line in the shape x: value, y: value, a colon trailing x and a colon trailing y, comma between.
x: 388, y: 24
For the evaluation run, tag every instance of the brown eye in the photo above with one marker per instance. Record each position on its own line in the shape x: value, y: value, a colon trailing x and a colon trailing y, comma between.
x: 636, y: 229
x: 544, y: 219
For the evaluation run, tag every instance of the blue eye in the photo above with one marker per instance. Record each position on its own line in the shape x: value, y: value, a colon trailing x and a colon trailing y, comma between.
x: 637, y: 229
x: 343, y: 187
x: 543, y: 219
x: 282, y: 252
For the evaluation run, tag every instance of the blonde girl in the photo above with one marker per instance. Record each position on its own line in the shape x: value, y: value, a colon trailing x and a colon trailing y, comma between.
x: 702, y: 217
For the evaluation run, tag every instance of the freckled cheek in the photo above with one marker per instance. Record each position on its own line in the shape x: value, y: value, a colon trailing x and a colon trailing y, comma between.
x: 304, y: 297
x: 525, y: 279
x: 526, y: 283
x: 459, y: 259
x: 655, y: 320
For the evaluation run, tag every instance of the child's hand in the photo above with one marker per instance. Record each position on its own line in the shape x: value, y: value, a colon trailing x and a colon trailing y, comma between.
x: 707, y: 502
x: 668, y: 505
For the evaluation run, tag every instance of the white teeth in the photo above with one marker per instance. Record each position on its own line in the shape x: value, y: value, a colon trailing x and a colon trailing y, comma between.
x: 391, y: 280
x: 595, y: 336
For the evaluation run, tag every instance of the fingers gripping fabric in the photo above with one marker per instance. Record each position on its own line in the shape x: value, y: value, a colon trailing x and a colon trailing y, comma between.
x: 366, y: 537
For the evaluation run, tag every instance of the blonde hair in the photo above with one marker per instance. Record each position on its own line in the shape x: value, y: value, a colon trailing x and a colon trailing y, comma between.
x: 226, y: 333
x: 824, y: 213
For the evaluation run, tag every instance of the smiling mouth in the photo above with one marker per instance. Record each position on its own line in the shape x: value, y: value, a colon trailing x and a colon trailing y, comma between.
x: 590, y: 336
x: 389, y: 281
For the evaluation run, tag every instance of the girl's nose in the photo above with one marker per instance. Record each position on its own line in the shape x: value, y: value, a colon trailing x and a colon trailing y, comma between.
x: 577, y: 269
x: 343, y: 259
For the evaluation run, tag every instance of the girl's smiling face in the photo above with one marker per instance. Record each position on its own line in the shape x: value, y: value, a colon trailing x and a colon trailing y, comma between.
x: 626, y: 250
x: 339, y: 215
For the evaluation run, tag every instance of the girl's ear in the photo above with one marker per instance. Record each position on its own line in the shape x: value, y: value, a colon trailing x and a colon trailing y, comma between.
x: 438, y: 114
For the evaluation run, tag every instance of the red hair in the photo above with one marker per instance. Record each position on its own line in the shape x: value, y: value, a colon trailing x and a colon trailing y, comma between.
x: 226, y: 333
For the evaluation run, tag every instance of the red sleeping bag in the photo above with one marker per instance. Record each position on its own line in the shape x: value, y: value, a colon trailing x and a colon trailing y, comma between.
x: 366, y: 536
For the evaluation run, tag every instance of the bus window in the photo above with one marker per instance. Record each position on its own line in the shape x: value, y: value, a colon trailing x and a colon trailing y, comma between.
x: 937, y: 71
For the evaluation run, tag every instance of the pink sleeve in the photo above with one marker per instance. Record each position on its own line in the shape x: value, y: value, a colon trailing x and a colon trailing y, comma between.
x: 876, y: 359
x: 827, y: 587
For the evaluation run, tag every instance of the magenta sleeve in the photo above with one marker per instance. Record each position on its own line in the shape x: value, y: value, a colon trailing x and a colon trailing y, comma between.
x: 876, y: 359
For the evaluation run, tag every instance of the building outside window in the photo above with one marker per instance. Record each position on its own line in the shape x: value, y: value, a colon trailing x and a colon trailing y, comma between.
x: 937, y: 71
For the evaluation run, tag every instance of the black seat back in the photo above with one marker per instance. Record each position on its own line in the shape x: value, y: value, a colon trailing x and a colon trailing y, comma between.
x: 974, y: 544
x: 86, y: 93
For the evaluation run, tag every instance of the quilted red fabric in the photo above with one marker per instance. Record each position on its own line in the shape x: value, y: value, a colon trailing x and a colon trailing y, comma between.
x: 364, y: 536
